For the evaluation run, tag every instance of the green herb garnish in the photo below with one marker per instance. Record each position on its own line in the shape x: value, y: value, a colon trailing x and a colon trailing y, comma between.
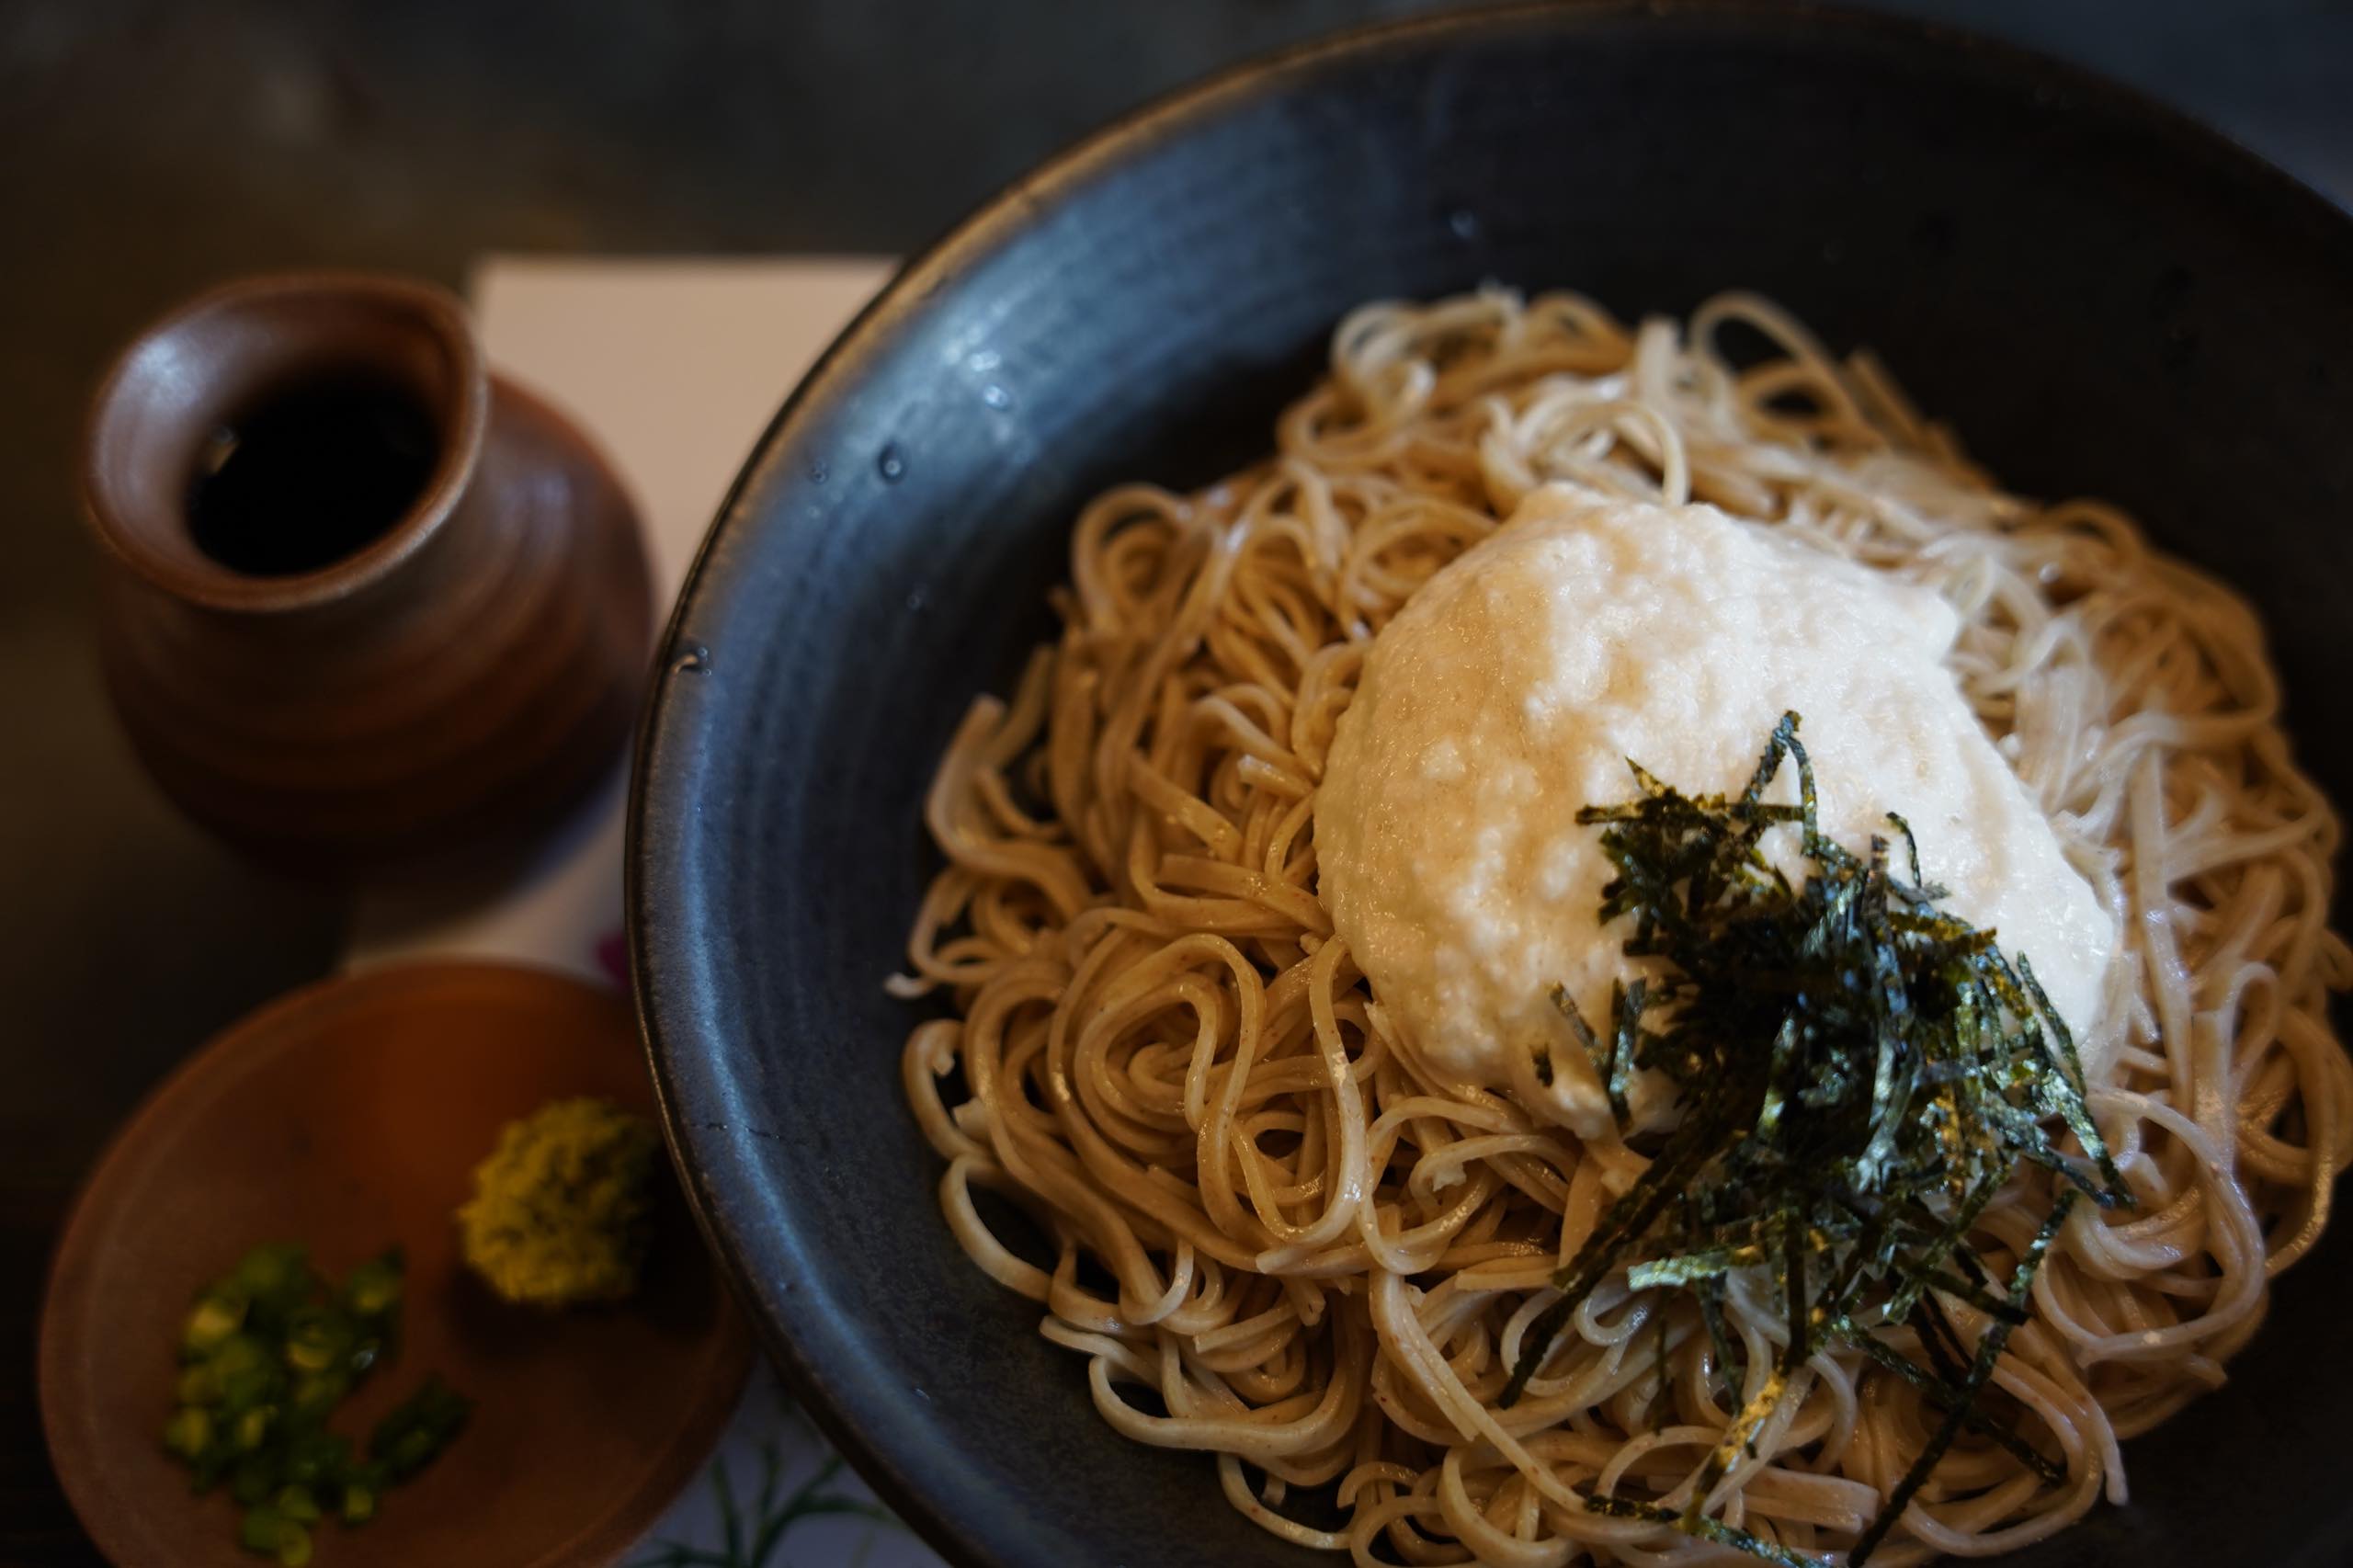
x: 267, y: 1353
x: 416, y: 1431
x: 1860, y: 1073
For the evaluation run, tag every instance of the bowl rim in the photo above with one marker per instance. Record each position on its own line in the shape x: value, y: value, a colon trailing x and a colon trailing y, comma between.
x: 983, y: 229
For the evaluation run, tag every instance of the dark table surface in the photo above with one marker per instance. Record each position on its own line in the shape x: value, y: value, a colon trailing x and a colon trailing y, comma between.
x: 148, y: 150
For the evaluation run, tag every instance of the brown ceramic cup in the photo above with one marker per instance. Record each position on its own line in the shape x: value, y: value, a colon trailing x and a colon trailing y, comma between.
x: 459, y: 676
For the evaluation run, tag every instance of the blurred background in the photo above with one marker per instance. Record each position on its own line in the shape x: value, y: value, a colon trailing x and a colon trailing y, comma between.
x: 148, y: 150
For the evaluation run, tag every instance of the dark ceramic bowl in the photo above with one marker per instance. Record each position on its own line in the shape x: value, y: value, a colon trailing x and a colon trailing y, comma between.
x: 2104, y: 298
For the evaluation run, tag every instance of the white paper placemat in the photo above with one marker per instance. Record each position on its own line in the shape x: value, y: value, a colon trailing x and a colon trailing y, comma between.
x: 674, y: 368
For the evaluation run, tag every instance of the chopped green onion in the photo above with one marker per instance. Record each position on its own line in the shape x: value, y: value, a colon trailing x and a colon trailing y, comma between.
x: 406, y: 1440
x: 200, y: 1384
x: 269, y: 1352
x: 254, y: 1426
x: 211, y: 1320
x: 189, y: 1432
x: 261, y: 1530
x: 373, y: 1289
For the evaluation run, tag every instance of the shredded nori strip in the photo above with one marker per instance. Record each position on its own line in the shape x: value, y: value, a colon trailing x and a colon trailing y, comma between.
x: 1860, y: 1074
x: 1989, y: 1351
x: 1706, y: 1529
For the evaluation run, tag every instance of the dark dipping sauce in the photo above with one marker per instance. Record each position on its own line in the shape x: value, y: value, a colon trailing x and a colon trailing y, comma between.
x: 316, y: 473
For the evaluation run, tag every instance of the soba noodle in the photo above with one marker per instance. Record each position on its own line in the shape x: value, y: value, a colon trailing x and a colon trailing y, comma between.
x: 1320, y: 1257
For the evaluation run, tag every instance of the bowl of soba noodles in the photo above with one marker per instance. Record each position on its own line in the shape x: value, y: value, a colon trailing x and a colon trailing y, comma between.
x: 1557, y: 787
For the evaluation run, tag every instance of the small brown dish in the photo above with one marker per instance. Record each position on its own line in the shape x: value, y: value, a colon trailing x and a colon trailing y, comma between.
x: 349, y: 1116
